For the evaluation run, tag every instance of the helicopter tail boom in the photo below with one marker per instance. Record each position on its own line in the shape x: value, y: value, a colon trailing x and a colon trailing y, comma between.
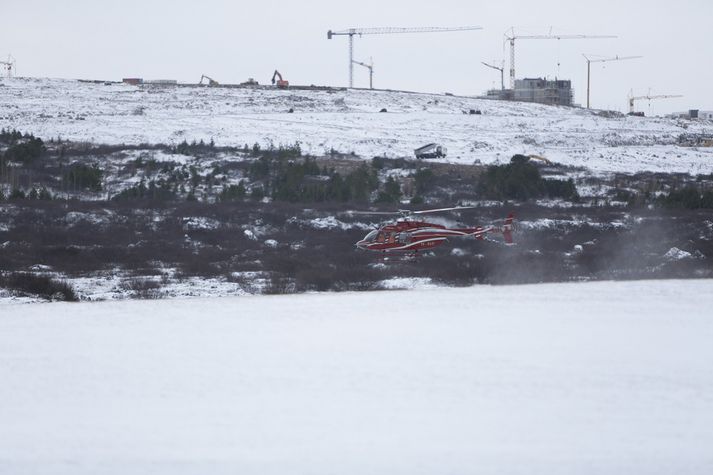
x: 505, y: 230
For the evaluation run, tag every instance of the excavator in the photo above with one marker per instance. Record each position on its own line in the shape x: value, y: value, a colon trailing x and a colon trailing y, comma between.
x: 211, y: 81
x: 280, y: 83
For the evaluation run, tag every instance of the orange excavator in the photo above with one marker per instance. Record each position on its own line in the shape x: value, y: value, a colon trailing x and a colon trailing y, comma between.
x: 280, y: 83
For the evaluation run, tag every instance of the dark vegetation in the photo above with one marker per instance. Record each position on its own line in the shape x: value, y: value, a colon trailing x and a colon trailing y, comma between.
x: 211, y: 218
x: 38, y: 285
x: 689, y: 197
x: 521, y: 180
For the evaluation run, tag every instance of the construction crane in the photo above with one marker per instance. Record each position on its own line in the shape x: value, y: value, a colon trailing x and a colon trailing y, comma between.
x: 502, y: 73
x: 370, y: 67
x: 602, y: 60
x: 352, y: 32
x: 9, y: 66
x: 511, y: 37
x: 211, y: 81
x: 281, y: 83
x: 649, y: 97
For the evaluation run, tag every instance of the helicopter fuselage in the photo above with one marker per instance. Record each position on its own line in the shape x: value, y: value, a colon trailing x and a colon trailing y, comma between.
x: 414, y: 236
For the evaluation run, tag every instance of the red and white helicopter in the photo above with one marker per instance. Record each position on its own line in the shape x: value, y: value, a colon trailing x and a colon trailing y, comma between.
x: 410, y: 234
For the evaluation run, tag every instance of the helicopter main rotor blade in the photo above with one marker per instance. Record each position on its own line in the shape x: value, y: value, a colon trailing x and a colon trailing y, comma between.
x: 371, y: 213
x: 408, y: 212
x: 441, y: 210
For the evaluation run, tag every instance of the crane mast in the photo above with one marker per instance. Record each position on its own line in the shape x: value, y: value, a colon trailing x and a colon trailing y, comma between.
x: 352, y: 32
x: 511, y: 37
x: 602, y: 60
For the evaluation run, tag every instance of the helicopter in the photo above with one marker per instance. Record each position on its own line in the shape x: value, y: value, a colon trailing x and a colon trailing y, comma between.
x: 409, y: 234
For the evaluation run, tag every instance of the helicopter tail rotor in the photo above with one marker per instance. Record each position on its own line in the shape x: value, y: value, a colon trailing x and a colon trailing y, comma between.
x: 507, y: 228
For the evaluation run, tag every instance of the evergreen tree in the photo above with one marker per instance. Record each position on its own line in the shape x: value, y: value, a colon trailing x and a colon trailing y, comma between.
x: 17, y: 194
x: 391, y: 192
x: 45, y: 194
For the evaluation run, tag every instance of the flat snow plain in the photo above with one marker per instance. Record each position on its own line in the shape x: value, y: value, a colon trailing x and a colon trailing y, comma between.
x: 596, y: 378
x: 349, y: 121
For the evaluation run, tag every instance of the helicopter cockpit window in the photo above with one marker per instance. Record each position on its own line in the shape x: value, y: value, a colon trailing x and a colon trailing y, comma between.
x: 380, y: 237
x: 371, y: 236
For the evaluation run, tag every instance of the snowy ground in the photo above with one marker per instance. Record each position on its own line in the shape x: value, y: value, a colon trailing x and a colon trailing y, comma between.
x: 600, y: 378
x: 349, y: 121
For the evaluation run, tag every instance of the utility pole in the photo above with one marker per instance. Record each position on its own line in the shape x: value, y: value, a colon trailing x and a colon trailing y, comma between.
x: 602, y: 60
x: 511, y: 37
x: 351, y: 32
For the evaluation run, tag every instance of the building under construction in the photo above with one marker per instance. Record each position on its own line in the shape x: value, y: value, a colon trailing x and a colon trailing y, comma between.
x: 544, y: 91
x: 539, y: 90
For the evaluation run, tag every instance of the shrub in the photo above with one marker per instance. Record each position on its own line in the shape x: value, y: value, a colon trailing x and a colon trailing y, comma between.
x: 257, y: 193
x: 688, y: 198
x: 233, y: 192
x: 142, y: 288
x: 17, y: 194
x: 39, y: 285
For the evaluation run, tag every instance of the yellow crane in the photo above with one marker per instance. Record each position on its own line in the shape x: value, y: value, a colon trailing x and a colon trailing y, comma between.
x: 633, y: 99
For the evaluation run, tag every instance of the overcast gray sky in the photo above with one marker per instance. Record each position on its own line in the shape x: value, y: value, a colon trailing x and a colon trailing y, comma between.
x: 233, y: 40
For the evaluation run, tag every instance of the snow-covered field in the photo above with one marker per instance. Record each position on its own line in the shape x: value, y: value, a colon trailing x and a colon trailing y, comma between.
x: 349, y: 121
x: 597, y: 378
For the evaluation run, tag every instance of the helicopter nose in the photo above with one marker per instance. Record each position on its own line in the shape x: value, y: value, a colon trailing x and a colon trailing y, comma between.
x: 360, y: 245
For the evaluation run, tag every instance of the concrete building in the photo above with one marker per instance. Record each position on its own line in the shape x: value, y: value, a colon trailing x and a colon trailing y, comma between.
x: 693, y: 114
x: 501, y: 94
x: 544, y: 91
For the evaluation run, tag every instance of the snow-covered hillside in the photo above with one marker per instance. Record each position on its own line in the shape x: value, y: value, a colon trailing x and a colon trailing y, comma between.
x: 348, y: 121
x: 600, y: 378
